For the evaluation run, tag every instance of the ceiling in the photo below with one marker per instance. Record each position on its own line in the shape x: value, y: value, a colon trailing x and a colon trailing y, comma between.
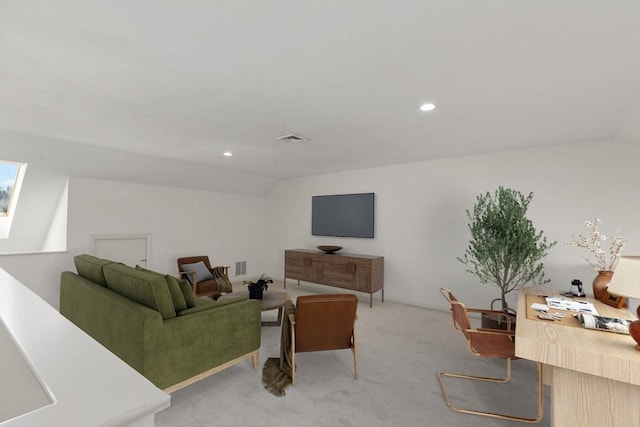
x: 189, y: 80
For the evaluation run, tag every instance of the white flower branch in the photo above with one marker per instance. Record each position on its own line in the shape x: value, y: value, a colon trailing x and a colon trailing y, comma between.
x: 593, y: 244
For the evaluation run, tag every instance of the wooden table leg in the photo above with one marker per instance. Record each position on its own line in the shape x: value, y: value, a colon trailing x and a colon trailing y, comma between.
x: 277, y: 322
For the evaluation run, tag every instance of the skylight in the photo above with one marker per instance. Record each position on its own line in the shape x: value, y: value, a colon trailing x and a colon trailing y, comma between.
x: 11, y: 175
x: 8, y: 176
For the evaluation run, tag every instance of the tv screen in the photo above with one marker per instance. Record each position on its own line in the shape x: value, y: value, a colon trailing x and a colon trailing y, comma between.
x: 343, y: 215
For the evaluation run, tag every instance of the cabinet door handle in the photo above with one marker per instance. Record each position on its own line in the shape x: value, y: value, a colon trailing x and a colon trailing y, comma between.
x: 351, y: 267
x: 307, y: 262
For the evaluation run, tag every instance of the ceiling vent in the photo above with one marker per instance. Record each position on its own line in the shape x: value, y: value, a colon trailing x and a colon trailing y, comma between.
x: 292, y: 137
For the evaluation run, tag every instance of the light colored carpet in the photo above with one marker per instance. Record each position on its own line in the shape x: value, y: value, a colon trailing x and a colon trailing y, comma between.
x: 401, y: 349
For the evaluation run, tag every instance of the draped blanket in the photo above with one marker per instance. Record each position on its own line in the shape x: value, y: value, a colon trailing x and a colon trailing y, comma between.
x: 276, y: 372
x: 223, y: 284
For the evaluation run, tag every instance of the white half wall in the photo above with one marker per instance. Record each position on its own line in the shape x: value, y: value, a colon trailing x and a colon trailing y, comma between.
x: 39, y: 271
x: 421, y: 224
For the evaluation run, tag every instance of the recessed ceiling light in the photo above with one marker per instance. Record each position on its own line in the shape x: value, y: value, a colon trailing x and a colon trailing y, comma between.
x: 427, y: 107
x: 227, y: 154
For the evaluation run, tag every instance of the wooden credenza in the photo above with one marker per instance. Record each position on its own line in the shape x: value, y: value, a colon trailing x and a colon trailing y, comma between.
x: 362, y: 273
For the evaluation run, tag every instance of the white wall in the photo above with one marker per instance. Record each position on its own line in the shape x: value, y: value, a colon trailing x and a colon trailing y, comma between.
x: 421, y: 222
x: 629, y: 129
x: 226, y: 227
x: 220, y: 215
x: 421, y: 225
x: 53, y: 157
x: 39, y: 198
x: 51, y: 162
x: 56, y: 239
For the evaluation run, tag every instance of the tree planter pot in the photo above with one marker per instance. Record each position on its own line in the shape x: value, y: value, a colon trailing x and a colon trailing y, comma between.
x: 495, y: 321
x: 498, y: 321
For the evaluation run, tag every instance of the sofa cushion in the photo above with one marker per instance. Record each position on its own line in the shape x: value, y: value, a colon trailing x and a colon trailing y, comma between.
x: 202, y: 272
x: 90, y: 268
x: 177, y: 297
x: 142, y: 287
x: 202, y: 304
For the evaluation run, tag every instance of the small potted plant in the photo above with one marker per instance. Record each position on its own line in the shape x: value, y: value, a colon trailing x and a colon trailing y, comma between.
x: 505, y: 249
x: 258, y: 287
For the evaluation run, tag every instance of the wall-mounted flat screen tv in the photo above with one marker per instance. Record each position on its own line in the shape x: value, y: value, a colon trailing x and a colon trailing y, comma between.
x: 343, y: 215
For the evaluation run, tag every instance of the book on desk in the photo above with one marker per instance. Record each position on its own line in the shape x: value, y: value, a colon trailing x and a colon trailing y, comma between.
x: 583, y: 311
x: 603, y: 323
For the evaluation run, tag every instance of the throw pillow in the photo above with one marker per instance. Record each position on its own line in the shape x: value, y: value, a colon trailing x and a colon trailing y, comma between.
x: 187, y: 292
x: 177, y: 298
x: 202, y: 272
x: 179, y: 301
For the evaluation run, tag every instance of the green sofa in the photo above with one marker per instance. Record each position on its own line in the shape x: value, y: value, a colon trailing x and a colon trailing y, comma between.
x: 154, y: 323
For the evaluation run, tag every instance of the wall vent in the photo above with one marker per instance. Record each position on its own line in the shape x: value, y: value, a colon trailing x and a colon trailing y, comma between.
x: 241, y: 268
x: 292, y: 137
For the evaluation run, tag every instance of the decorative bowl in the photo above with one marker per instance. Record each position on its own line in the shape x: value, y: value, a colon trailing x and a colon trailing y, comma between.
x: 329, y: 249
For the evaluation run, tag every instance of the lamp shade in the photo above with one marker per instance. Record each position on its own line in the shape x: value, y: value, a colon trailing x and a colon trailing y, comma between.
x: 626, y: 278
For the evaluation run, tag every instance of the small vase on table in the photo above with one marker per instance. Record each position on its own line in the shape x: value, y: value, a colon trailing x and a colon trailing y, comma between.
x: 601, y: 282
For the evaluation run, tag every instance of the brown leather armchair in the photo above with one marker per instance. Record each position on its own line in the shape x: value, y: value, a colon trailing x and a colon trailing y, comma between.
x: 207, y: 281
x: 324, y: 322
x: 485, y: 342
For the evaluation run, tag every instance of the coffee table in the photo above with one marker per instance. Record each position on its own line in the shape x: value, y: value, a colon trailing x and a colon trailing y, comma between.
x: 270, y: 301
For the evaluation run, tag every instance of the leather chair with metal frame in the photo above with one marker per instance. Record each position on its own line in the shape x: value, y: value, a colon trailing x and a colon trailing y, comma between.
x: 324, y: 322
x: 484, y: 342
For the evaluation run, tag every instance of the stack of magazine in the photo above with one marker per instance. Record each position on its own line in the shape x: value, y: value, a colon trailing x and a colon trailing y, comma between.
x: 602, y: 323
x: 588, y: 316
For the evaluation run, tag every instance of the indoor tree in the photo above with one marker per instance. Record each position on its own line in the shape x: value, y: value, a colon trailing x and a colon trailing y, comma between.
x: 505, y: 249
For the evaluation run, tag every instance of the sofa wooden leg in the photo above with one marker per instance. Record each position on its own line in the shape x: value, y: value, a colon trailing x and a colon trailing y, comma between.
x: 256, y: 359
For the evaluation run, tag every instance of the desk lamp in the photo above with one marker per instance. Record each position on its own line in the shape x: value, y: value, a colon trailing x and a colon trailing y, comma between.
x: 626, y: 282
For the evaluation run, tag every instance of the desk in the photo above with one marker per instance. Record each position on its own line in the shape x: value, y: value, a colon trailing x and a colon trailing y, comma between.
x: 594, y: 375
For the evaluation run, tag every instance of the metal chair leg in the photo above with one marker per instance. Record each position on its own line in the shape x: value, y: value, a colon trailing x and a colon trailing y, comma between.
x: 506, y: 378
